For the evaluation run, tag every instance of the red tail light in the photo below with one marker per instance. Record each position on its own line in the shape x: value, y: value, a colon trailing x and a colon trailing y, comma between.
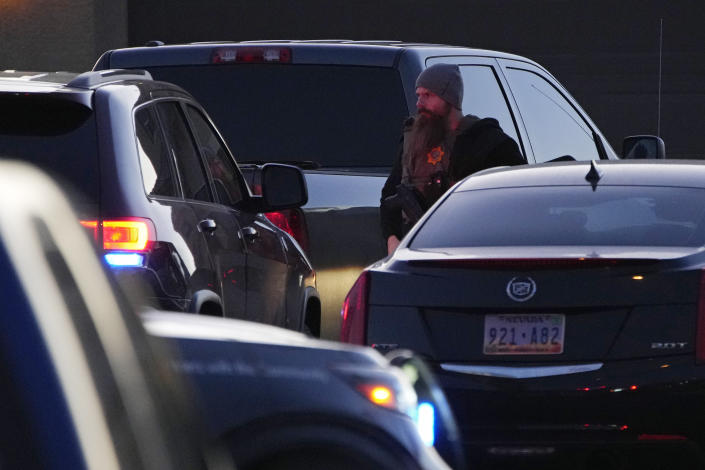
x: 700, y: 328
x: 293, y: 222
x: 354, y: 312
x: 129, y: 234
x: 92, y: 227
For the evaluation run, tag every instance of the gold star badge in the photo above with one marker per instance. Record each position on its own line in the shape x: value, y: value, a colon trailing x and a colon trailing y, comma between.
x: 435, y: 155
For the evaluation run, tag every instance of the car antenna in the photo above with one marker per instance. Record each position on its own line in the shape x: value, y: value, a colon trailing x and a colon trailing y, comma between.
x: 594, y: 175
x: 660, y: 54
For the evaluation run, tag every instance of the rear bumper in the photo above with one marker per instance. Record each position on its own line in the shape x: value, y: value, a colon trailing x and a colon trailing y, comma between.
x: 144, y: 286
x: 577, y: 455
x: 620, y: 411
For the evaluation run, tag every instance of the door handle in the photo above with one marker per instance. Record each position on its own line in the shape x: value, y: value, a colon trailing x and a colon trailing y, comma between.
x: 250, y: 234
x: 207, y: 226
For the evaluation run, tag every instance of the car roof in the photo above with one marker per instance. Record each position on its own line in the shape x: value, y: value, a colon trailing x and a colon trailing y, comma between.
x: 325, y: 51
x: 80, y: 86
x: 680, y: 173
x: 202, y: 327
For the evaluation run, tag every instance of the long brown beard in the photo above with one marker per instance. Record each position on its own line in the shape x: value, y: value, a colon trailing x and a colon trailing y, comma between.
x: 428, y: 131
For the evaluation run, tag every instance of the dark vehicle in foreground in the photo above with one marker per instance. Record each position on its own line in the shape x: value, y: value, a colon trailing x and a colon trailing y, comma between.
x: 562, y: 307
x: 336, y: 109
x: 281, y: 400
x: 158, y: 189
x: 81, y: 384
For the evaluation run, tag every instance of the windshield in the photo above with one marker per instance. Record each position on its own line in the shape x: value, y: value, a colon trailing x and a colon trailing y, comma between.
x: 567, y: 215
x: 56, y: 135
x: 337, y: 116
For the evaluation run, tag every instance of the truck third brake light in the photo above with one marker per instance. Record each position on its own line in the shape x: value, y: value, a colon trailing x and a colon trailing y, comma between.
x: 251, y: 55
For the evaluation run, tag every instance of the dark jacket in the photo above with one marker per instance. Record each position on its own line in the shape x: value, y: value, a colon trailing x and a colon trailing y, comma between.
x: 480, y: 144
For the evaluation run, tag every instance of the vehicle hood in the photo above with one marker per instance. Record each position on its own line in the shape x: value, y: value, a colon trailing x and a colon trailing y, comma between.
x: 183, y: 326
x: 243, y: 372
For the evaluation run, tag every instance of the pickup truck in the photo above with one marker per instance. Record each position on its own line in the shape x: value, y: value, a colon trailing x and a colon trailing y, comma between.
x: 336, y: 109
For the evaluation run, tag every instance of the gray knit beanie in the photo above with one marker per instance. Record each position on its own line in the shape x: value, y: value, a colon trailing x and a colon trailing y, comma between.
x: 445, y: 81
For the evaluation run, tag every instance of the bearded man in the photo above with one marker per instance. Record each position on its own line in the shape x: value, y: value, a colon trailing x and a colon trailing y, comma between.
x: 439, y: 147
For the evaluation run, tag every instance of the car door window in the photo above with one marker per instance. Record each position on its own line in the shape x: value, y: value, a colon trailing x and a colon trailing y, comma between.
x: 483, y: 97
x: 226, y: 176
x: 183, y: 147
x: 555, y: 128
x: 155, y: 160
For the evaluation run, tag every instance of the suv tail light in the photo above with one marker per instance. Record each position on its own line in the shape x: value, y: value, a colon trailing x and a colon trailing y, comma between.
x: 293, y: 222
x: 125, y: 241
x: 354, y: 311
x: 128, y: 235
x: 700, y: 328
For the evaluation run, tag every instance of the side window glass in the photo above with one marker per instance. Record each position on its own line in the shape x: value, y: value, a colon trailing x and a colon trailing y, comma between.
x: 226, y: 177
x: 157, y: 173
x: 483, y: 97
x: 555, y: 128
x: 182, y: 145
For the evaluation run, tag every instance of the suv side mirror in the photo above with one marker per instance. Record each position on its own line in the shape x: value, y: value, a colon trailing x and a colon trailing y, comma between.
x: 643, y: 146
x: 282, y: 187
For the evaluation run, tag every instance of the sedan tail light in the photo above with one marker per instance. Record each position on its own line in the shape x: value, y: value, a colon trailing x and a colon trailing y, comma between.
x: 354, y: 311
x: 700, y: 328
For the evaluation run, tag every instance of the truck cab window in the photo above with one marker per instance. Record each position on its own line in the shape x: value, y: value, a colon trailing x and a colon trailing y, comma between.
x: 483, y: 97
x: 555, y: 128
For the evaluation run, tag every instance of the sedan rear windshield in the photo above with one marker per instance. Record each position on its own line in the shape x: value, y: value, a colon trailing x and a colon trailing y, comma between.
x: 58, y: 136
x: 334, y: 115
x: 567, y: 215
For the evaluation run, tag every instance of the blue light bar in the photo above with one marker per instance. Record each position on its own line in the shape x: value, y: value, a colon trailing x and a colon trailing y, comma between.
x: 426, y: 422
x: 122, y: 260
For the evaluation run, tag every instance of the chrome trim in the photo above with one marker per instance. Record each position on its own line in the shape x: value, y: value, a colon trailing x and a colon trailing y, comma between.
x: 521, y: 372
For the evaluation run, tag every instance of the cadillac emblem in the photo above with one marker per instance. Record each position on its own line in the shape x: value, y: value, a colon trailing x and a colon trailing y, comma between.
x: 521, y: 289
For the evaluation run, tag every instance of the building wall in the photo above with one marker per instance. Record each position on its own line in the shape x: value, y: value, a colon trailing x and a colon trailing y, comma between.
x: 606, y: 53
x: 59, y: 34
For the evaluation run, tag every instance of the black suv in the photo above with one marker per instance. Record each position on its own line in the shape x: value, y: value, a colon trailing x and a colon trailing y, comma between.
x: 158, y: 189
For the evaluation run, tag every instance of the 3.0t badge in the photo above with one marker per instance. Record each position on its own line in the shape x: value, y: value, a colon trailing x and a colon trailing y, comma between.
x: 521, y: 289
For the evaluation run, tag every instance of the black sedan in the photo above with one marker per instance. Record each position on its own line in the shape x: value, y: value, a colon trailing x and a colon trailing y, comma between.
x: 563, y: 308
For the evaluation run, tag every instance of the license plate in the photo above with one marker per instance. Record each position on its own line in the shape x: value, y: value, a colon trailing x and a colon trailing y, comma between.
x: 524, y: 334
